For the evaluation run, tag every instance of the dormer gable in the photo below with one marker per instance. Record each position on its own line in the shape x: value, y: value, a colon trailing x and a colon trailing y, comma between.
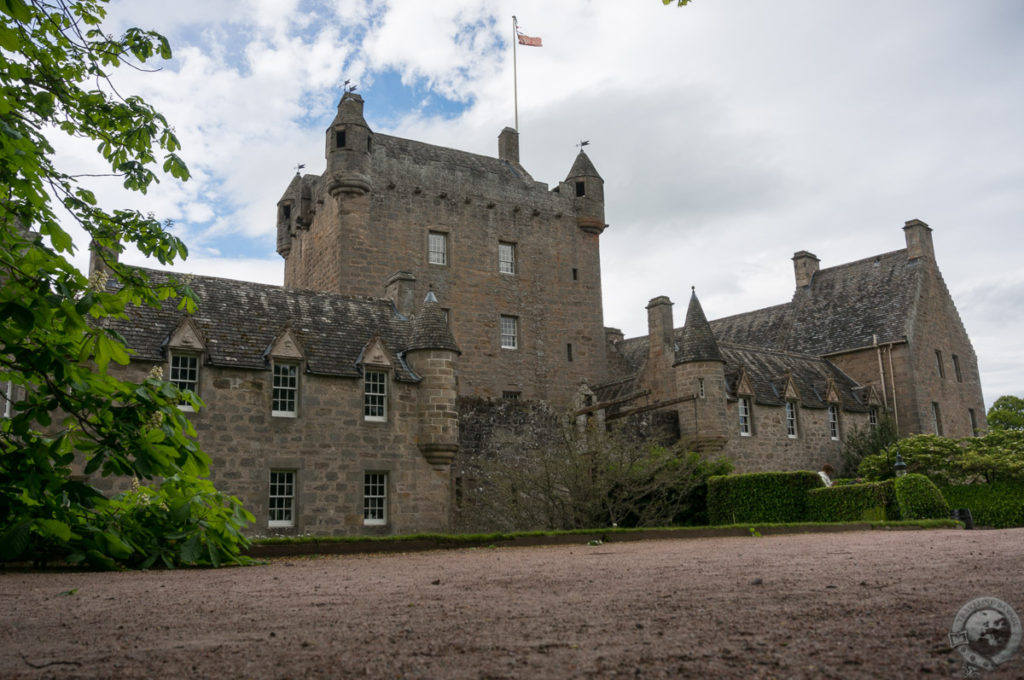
x: 186, y: 336
x: 831, y: 392
x: 375, y: 353
x: 743, y: 385
x: 285, y: 346
x: 789, y: 391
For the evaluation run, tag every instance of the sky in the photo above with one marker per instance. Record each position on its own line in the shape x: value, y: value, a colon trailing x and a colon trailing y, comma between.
x: 729, y: 134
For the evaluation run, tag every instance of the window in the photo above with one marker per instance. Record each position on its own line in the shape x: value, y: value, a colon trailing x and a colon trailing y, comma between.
x: 286, y: 210
x: 375, y: 396
x: 185, y: 375
x: 956, y: 369
x: 873, y: 417
x: 936, y: 418
x: 833, y: 421
x: 7, y: 394
x: 575, y: 274
x: 511, y: 396
x: 974, y: 422
x: 281, y: 503
x: 375, y: 498
x: 568, y: 351
x: 437, y: 246
x: 339, y: 139
x: 744, y: 408
x: 581, y: 189
x: 938, y: 364
x: 791, y: 419
x: 700, y: 387
x: 507, y: 258
x: 509, y: 332
x: 284, y: 400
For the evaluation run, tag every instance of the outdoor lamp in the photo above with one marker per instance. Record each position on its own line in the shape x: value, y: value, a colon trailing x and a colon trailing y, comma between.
x: 900, y: 467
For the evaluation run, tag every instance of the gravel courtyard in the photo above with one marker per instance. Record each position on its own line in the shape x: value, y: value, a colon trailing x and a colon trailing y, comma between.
x: 865, y: 604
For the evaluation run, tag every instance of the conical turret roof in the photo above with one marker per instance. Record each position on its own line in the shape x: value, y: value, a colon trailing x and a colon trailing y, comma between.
x: 698, y: 341
x: 430, y: 329
x: 582, y: 167
x: 350, y: 110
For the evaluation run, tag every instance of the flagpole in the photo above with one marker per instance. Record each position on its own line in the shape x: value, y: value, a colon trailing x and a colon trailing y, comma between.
x: 515, y: 74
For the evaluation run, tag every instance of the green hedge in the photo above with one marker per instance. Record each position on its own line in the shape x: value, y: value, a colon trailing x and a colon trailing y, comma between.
x: 760, y: 497
x: 874, y: 501
x: 999, y: 505
x: 919, y: 498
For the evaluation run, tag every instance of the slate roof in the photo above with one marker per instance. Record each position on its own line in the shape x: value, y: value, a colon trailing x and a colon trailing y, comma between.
x: 429, y: 157
x: 239, y: 320
x: 697, y: 342
x: 430, y: 329
x: 582, y: 167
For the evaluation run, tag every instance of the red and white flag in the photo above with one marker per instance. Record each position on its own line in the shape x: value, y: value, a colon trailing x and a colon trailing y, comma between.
x: 527, y: 40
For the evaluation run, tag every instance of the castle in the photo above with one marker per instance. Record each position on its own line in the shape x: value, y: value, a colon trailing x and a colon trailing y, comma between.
x: 417, y: 274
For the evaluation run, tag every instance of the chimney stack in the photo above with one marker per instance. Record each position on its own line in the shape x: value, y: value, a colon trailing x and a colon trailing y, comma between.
x: 919, y: 240
x: 508, y: 145
x: 805, y: 265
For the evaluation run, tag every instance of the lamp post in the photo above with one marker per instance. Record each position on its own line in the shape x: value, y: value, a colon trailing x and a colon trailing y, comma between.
x: 900, y: 467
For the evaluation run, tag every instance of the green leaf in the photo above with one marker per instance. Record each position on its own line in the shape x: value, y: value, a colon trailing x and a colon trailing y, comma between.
x: 15, y: 541
x: 54, y: 528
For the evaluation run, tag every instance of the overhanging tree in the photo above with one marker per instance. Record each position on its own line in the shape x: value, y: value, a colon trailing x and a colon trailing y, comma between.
x: 55, y: 68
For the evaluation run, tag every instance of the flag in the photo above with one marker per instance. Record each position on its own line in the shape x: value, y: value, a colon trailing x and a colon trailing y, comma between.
x: 527, y: 40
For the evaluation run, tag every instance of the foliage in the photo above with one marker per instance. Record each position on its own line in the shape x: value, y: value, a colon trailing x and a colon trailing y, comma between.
x: 589, y: 478
x: 679, y: 3
x: 999, y: 505
x: 1007, y: 413
x: 998, y: 456
x: 852, y: 502
x: 55, y: 64
x: 919, y: 498
x: 862, y: 442
x: 760, y: 497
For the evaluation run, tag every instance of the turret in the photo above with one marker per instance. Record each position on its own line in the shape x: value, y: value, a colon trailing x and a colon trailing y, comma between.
x: 349, y: 144
x: 431, y: 354
x: 587, y: 189
x: 700, y: 372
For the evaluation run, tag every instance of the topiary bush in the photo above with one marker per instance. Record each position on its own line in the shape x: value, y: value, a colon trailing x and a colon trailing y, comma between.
x: 874, y: 501
x: 760, y: 497
x: 919, y: 498
x: 999, y: 505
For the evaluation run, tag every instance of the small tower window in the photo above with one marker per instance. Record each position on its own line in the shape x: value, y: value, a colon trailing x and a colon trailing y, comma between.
x: 286, y: 210
x: 575, y: 274
x: 568, y: 351
x: 581, y: 189
x: 339, y: 139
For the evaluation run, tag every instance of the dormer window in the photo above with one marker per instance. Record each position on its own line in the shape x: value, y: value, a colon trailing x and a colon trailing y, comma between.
x: 339, y: 139
x: 185, y: 375
x: 833, y: 422
x: 285, y: 396
x: 581, y: 189
x: 375, y: 396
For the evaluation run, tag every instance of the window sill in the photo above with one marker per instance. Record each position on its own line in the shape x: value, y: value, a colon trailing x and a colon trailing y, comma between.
x: 284, y: 414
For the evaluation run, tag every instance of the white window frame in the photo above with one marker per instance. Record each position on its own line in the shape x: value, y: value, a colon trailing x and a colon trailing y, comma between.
x: 190, y: 382
x: 873, y: 417
x: 743, y: 406
x: 8, y: 397
x: 833, y: 422
x: 284, y: 395
x: 281, y: 499
x: 437, y: 247
x: 375, y: 395
x: 509, y: 326
x: 506, y: 257
x: 375, y: 498
x: 791, y: 425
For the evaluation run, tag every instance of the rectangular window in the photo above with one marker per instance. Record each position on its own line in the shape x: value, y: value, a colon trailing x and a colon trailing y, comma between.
x: 512, y: 396
x: 956, y: 369
x: 339, y: 139
x: 507, y: 258
x: 575, y: 274
x: 700, y: 387
x: 873, y: 417
x: 375, y: 396
x: 974, y: 422
x: 568, y: 351
x: 509, y: 332
x: 285, y: 397
x: 791, y: 419
x: 938, y: 364
x: 744, y: 408
x: 185, y: 375
x: 375, y: 498
x: 833, y: 421
x: 581, y: 189
x: 936, y: 418
x: 281, y: 502
x: 437, y: 246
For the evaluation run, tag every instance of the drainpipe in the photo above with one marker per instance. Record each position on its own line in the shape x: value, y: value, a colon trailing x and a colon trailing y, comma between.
x: 881, y: 371
x: 892, y: 374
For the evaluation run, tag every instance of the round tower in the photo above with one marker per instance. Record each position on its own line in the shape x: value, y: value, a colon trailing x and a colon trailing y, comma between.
x: 587, y: 189
x: 700, y: 372
x: 349, y: 144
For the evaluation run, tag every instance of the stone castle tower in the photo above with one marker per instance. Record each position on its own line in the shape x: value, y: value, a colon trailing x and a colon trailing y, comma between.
x: 515, y: 267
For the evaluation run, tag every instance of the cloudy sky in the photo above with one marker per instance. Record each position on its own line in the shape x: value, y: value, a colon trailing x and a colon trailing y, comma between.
x: 729, y: 134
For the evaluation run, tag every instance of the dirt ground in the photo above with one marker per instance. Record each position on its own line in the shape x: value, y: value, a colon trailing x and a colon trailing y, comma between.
x: 866, y: 604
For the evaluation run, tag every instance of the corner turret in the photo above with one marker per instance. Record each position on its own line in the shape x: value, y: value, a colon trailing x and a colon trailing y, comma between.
x: 349, y: 144
x: 431, y: 354
x: 587, y: 189
x: 697, y: 342
x: 700, y: 372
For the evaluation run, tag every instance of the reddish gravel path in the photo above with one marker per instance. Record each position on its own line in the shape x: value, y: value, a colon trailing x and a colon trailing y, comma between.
x: 849, y: 605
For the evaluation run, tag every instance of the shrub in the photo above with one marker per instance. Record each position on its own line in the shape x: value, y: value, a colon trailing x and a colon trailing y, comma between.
x: 860, y: 443
x: 919, y: 498
x: 760, y: 497
x: 928, y: 454
x: 999, y: 505
x: 874, y: 501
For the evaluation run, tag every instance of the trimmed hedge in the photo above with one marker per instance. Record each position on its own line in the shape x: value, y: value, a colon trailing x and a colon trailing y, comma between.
x: 919, y: 498
x: 999, y: 505
x: 760, y: 497
x: 874, y: 501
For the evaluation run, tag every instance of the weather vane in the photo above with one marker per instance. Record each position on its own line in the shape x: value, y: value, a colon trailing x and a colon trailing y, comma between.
x: 583, y: 143
x: 298, y: 167
x: 349, y: 88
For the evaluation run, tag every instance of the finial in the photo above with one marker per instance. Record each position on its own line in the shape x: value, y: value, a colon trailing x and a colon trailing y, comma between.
x: 298, y: 167
x: 693, y: 289
x: 349, y: 88
x: 583, y: 143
